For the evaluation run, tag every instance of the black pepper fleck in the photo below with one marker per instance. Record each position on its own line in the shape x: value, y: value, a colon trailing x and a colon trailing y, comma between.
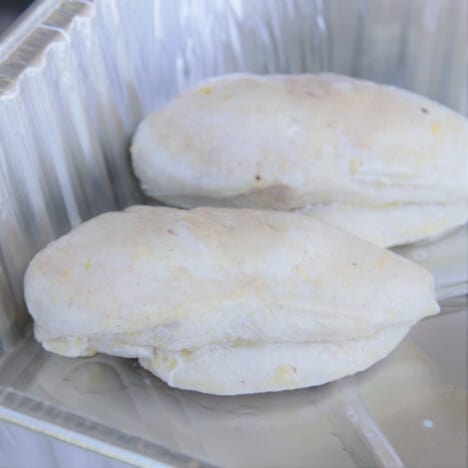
x: 257, y: 177
x: 424, y: 110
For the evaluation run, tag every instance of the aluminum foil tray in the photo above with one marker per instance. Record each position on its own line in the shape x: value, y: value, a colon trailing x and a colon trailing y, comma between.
x: 75, y: 79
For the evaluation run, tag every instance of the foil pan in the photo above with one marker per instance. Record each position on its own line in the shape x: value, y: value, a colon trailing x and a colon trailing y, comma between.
x: 75, y: 79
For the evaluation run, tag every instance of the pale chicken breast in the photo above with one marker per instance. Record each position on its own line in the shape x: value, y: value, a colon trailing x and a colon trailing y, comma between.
x: 225, y: 301
x: 384, y: 163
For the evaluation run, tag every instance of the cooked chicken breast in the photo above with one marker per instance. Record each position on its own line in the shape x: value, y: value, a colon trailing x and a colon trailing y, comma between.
x: 376, y: 160
x: 225, y: 301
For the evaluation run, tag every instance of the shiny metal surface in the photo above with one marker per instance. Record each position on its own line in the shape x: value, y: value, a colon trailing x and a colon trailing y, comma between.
x: 75, y: 78
x: 408, y: 410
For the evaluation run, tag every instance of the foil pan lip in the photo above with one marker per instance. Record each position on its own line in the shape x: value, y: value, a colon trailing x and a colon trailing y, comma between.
x: 22, y: 27
x: 26, y: 43
x: 20, y: 409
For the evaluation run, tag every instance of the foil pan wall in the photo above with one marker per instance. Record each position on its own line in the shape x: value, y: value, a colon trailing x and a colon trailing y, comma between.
x: 74, y: 88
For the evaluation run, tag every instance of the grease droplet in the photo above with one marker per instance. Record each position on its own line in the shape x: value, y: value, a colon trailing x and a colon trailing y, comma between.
x: 419, y: 255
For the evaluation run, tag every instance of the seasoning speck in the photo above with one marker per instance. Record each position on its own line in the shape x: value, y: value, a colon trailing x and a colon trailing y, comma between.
x: 206, y: 90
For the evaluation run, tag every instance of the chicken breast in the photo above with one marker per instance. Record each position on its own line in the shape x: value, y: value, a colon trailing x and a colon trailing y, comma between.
x: 379, y: 161
x: 225, y: 301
